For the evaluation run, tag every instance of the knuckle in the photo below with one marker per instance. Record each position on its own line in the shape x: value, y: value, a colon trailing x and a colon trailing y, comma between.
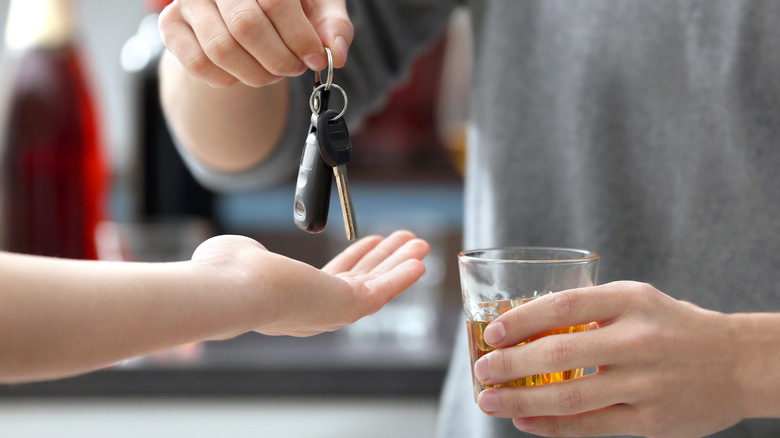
x: 199, y: 65
x: 501, y: 363
x: 634, y: 289
x: 220, y: 47
x: 563, y: 303
x: 166, y: 17
x: 557, y: 351
x: 166, y: 22
x: 656, y: 341
x: 270, y: 5
x: 560, y: 427
x: 257, y: 80
x: 516, y: 320
x: 224, y: 82
x: 242, y: 24
x: 582, y: 426
x: 255, y: 77
x: 553, y: 427
x: 569, y: 400
x: 515, y: 402
x: 284, y: 66
x: 202, y: 68
x: 339, y: 20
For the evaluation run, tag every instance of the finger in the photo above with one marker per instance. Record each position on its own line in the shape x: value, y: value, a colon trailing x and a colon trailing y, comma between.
x: 576, y: 396
x: 180, y: 40
x: 252, y: 28
x: 347, y: 259
x: 553, y: 353
x: 297, y: 32
x: 381, y: 252
x: 390, y: 284
x: 332, y: 24
x: 613, y: 420
x: 560, y: 309
x: 413, y: 249
x: 219, y: 45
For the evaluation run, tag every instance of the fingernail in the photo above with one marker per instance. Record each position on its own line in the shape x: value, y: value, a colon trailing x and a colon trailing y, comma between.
x: 341, y: 46
x: 482, y: 369
x: 315, y: 61
x: 526, y: 424
x: 489, y: 402
x: 495, y: 333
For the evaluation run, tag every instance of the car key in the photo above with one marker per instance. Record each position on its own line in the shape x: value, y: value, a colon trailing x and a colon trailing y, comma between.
x: 312, y: 190
x: 336, y: 151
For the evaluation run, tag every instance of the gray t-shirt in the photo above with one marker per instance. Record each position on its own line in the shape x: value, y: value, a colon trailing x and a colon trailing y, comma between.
x: 647, y: 131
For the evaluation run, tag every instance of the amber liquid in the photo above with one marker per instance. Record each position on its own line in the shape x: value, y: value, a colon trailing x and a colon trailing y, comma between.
x: 478, y: 347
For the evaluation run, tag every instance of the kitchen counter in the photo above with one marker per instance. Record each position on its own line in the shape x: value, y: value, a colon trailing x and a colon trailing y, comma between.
x: 255, y: 365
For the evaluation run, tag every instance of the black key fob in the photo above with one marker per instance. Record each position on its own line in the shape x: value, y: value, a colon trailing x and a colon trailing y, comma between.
x: 333, y: 138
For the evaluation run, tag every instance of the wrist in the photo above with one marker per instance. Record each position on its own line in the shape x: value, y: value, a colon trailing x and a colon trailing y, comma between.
x: 224, y: 297
x: 756, y: 342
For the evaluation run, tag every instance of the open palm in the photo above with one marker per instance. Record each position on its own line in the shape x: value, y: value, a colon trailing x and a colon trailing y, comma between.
x: 288, y: 297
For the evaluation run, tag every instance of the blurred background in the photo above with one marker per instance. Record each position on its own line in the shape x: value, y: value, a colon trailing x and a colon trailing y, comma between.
x: 109, y: 175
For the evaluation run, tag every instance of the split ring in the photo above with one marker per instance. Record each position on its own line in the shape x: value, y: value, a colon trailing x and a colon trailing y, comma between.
x: 325, y: 86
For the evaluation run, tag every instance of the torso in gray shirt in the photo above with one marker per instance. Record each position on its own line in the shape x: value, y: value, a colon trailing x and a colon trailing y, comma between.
x: 647, y: 131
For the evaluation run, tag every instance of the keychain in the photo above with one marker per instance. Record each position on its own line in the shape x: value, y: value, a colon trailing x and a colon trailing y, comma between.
x: 327, y: 151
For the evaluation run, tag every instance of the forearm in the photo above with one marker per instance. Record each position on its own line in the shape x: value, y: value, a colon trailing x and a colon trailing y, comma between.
x: 758, y: 348
x: 64, y: 317
x: 228, y: 129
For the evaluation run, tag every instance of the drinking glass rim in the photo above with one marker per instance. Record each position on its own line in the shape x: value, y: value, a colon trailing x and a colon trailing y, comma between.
x: 467, y: 255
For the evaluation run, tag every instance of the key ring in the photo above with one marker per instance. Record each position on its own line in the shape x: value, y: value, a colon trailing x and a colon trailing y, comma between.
x: 329, y: 82
x: 321, y: 87
x: 318, y: 76
x: 313, y: 99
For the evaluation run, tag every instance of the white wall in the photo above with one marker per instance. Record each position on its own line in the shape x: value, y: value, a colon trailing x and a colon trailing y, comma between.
x: 220, y: 417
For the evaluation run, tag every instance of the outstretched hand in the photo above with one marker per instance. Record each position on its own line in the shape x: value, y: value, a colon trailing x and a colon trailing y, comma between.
x: 288, y: 297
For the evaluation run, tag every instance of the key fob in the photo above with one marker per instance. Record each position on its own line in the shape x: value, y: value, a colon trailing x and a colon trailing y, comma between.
x: 333, y: 138
x: 312, y: 191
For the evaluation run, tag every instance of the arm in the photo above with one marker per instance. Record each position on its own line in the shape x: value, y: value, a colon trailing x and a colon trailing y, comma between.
x: 227, y: 129
x: 222, y: 77
x: 757, y: 349
x: 228, y: 79
x: 64, y: 317
x: 665, y: 367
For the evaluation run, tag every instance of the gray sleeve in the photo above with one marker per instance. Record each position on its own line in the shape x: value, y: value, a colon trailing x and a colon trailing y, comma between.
x: 278, y: 166
x: 389, y: 34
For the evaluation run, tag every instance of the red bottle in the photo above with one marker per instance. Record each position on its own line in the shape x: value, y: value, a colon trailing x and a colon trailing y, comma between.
x: 157, y: 5
x: 53, y: 174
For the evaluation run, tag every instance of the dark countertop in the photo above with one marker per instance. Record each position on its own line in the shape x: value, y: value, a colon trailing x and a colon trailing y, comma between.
x: 258, y: 365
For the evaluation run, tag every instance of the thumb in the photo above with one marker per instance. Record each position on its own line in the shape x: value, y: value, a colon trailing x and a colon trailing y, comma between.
x: 332, y: 24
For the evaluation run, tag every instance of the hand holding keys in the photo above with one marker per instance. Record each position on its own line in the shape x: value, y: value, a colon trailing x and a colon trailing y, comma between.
x: 328, y: 144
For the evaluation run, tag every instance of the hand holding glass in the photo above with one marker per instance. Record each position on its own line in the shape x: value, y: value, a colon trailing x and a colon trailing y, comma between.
x: 494, y: 281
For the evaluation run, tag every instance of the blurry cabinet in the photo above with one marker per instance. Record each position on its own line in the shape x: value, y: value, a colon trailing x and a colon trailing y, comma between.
x: 164, y: 187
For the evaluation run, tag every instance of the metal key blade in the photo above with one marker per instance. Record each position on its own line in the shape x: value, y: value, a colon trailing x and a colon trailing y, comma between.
x: 342, y: 183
